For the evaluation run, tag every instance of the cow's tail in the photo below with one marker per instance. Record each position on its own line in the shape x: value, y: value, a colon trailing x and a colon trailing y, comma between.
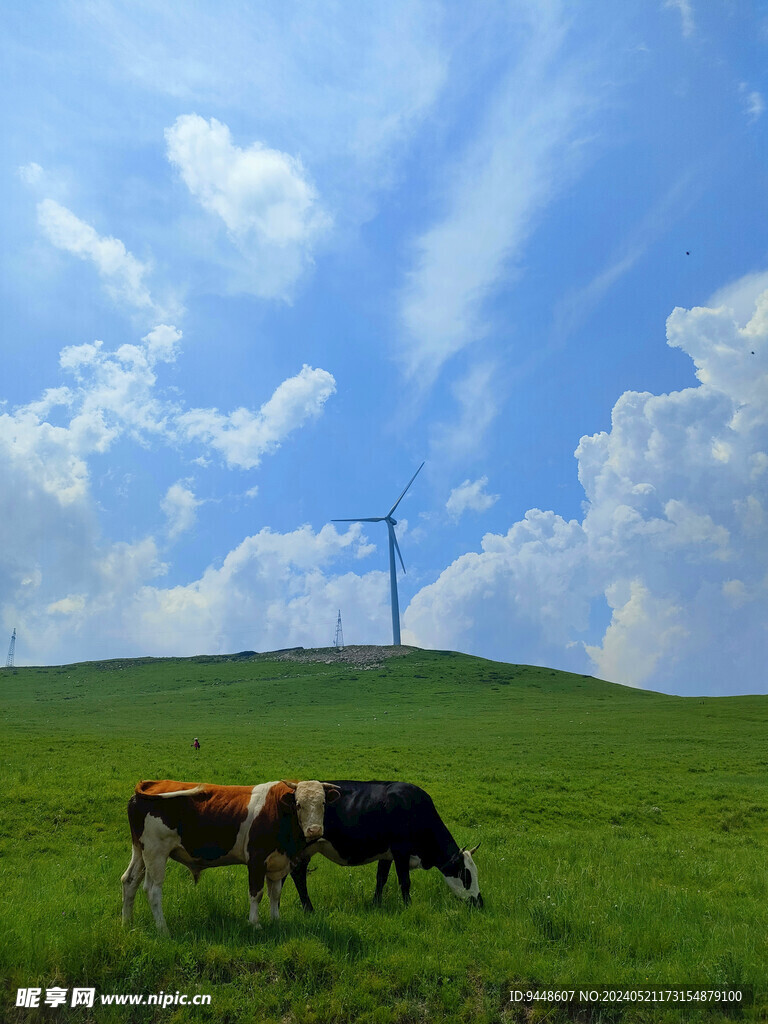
x: 142, y: 789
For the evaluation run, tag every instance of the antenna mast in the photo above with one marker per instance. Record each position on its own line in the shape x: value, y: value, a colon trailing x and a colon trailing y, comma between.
x: 339, y: 640
x: 11, y: 650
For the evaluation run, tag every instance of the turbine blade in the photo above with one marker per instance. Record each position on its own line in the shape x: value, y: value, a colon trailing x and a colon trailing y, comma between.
x: 406, y: 488
x: 397, y: 548
x: 378, y: 519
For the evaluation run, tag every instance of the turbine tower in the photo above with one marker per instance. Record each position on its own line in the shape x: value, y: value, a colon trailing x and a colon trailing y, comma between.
x: 393, y: 546
x: 11, y: 650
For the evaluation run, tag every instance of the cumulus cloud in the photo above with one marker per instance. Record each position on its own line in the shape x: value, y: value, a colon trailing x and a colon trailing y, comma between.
x: 740, y: 296
x: 470, y: 496
x: 269, y: 207
x: 673, y: 544
x: 243, y: 436
x: 162, y: 344
x: 180, y: 507
x: 272, y: 590
x: 515, y: 595
x: 61, y: 582
x: 123, y: 275
x: 350, y: 88
x: 113, y: 394
x: 642, y: 631
x: 116, y: 394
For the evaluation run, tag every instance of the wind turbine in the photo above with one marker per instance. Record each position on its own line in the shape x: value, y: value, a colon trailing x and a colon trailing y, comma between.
x: 393, y: 546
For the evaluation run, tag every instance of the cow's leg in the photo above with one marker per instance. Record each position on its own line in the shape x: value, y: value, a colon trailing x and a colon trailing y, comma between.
x: 274, y: 888
x: 382, y: 874
x: 256, y: 874
x: 402, y: 860
x: 155, y: 863
x: 131, y: 881
x: 299, y: 876
x: 277, y: 866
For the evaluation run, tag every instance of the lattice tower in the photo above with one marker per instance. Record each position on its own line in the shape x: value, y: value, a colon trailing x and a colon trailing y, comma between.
x: 11, y: 650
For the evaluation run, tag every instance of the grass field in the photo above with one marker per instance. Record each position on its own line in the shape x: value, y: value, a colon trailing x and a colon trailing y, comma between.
x: 624, y: 839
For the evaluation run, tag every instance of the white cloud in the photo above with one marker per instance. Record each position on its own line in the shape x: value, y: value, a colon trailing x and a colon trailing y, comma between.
x: 522, y: 153
x: 59, y: 567
x: 754, y: 103
x: 642, y: 631
x: 470, y: 495
x: 180, y: 507
x: 272, y: 590
x: 476, y: 394
x: 515, y: 599
x: 60, y: 583
x: 686, y: 14
x: 162, y: 344
x: 741, y: 295
x: 113, y: 395
x: 71, y: 592
x: 671, y: 552
x: 122, y: 273
x: 674, y: 540
x: 73, y: 604
x: 262, y: 195
x: 345, y: 90
x: 116, y: 395
x: 255, y: 190
x: 31, y: 174
x: 243, y: 436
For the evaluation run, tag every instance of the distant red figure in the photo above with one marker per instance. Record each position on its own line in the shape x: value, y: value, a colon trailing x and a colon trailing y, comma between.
x: 196, y: 743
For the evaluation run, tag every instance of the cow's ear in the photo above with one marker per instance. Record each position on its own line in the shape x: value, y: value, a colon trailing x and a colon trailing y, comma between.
x: 288, y: 800
x: 332, y: 795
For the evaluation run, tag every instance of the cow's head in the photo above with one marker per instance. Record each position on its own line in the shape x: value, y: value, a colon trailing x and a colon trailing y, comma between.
x: 461, y: 875
x: 309, y: 800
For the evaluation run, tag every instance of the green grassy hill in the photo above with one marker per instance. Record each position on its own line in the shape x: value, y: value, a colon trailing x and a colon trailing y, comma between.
x: 624, y: 838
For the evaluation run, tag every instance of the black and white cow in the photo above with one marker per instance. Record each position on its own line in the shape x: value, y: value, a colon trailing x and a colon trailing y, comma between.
x: 389, y: 822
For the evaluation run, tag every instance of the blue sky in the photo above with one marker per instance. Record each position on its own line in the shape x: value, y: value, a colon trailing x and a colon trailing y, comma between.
x: 261, y: 260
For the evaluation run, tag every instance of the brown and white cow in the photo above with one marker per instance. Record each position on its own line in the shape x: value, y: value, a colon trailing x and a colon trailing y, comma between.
x: 206, y: 826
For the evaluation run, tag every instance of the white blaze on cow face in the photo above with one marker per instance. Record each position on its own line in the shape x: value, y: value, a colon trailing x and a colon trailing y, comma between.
x: 310, y: 799
x: 465, y: 884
